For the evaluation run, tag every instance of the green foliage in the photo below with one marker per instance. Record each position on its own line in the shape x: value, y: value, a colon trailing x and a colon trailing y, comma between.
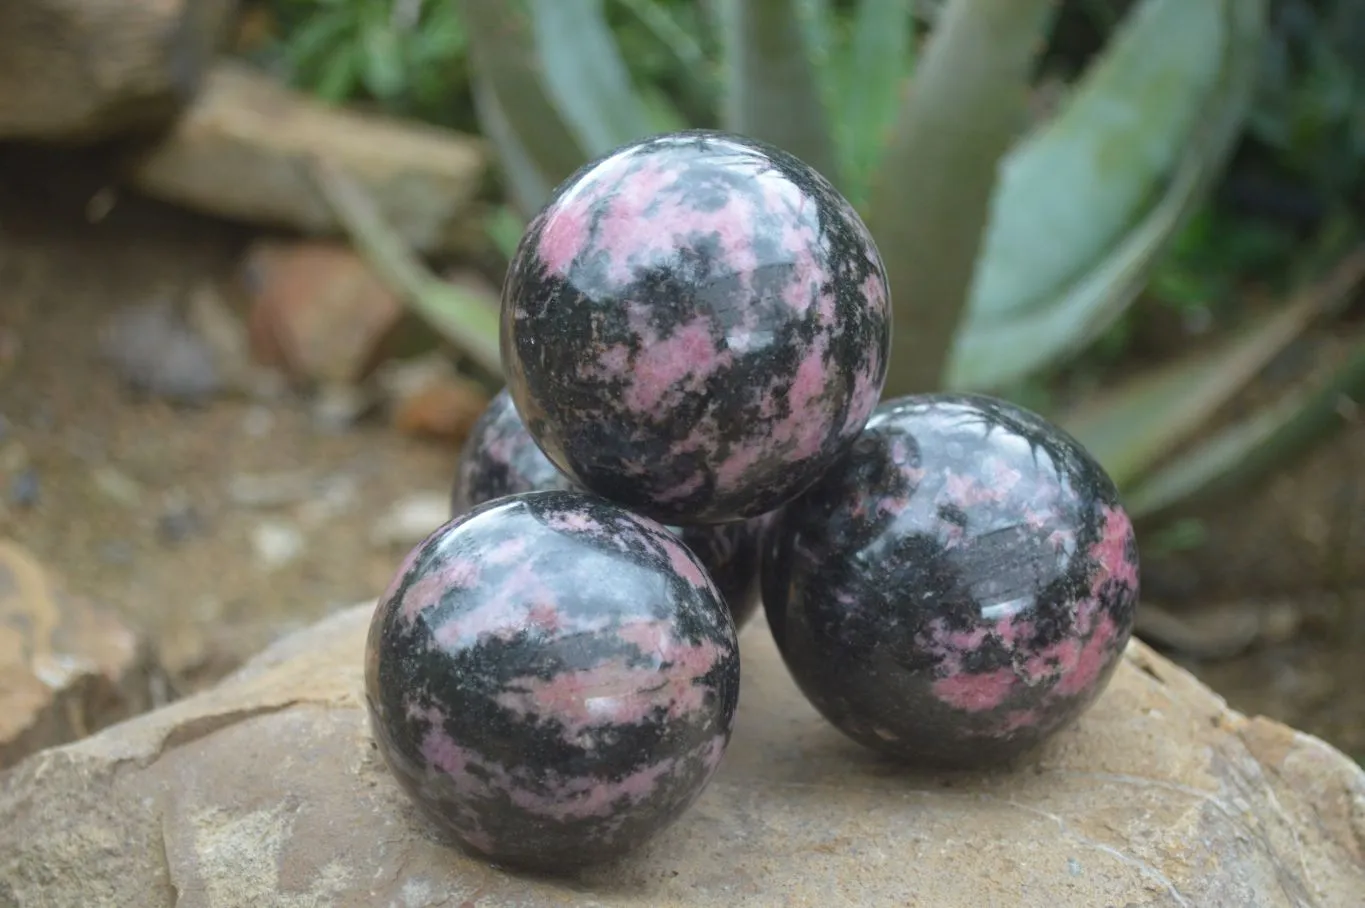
x: 1016, y: 248
x: 408, y: 55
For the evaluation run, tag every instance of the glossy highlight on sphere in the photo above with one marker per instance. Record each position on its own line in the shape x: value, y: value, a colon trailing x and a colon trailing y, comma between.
x: 500, y: 458
x: 696, y: 326
x: 959, y: 588
x: 552, y: 678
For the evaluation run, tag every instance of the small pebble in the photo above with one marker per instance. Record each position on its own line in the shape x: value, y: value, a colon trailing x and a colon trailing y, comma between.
x: 258, y: 421
x: 268, y: 490
x: 178, y: 525
x: 155, y: 352
x: 337, y: 408
x: 334, y: 497
x: 411, y: 520
x: 25, y: 488
x: 117, y: 486
x: 116, y: 551
x: 276, y: 543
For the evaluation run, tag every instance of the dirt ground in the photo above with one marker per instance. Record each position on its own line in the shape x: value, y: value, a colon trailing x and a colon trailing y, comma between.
x: 138, y: 504
x: 132, y: 500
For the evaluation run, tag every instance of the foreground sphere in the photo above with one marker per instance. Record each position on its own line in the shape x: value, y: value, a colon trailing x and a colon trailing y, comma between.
x: 959, y: 588
x: 696, y: 327
x: 552, y: 678
x: 500, y: 458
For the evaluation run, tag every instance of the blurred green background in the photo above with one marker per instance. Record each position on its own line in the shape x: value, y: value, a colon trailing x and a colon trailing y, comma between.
x: 1124, y: 219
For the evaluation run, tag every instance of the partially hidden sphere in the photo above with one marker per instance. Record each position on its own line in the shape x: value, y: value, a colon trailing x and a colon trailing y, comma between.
x: 959, y: 588
x: 696, y: 327
x: 552, y: 679
x: 500, y: 458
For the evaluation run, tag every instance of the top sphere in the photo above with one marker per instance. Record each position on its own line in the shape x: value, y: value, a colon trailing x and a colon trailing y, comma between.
x: 696, y: 327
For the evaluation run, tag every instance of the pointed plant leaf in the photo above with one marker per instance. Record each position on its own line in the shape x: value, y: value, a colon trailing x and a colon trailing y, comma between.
x: 870, y: 77
x: 1131, y: 427
x: 773, y: 90
x: 504, y: 228
x: 525, y: 182
x: 930, y: 192
x: 585, y: 75
x: 1070, y: 190
x: 1241, y: 454
x: 996, y: 347
x: 463, y: 318
x: 690, y: 61
x: 509, y: 84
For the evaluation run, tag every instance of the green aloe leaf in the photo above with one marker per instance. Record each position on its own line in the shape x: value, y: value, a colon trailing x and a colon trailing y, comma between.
x: 514, y: 106
x: 527, y: 183
x: 585, y: 75
x: 1241, y: 454
x: 931, y: 191
x: 690, y: 62
x: 465, y: 320
x: 774, y: 92
x: 869, y: 76
x: 1134, y: 425
x: 1085, y: 206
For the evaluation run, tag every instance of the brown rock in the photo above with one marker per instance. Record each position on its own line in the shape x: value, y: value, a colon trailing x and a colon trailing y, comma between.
x: 267, y: 790
x: 240, y: 152
x: 82, y: 70
x: 67, y: 668
x: 444, y: 410
x: 426, y: 397
x: 318, y: 311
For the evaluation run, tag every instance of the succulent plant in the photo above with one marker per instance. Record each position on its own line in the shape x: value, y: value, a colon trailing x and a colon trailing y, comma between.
x: 1010, y: 245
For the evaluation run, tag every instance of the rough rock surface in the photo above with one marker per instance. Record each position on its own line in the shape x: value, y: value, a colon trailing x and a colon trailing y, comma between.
x: 241, y: 150
x: 67, y: 668
x: 268, y: 790
x: 81, y: 70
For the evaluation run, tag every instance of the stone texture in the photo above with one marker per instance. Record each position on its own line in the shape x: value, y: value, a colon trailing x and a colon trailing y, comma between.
x: 82, y: 70
x: 268, y: 790
x: 238, y: 152
x: 67, y: 668
x: 318, y: 311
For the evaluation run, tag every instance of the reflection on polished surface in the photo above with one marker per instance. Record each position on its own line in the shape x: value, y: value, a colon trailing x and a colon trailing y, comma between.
x: 961, y: 586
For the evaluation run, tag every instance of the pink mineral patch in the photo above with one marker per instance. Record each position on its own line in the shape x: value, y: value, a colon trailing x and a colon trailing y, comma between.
x: 521, y: 600
x: 686, y: 567
x: 733, y: 469
x: 866, y: 392
x: 454, y: 574
x: 574, y: 522
x: 1089, y: 660
x: 1111, y: 552
x: 1020, y: 718
x: 586, y: 796
x: 615, y: 692
x: 566, y: 232
x: 679, y: 363
x: 976, y: 692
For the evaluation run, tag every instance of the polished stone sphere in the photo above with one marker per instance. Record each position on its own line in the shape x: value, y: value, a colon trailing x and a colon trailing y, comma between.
x: 696, y: 327
x: 959, y: 588
x: 552, y: 679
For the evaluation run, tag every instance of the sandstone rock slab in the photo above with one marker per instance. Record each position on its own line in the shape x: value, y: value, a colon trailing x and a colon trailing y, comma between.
x: 67, y: 667
x: 268, y: 790
x: 242, y: 151
x: 83, y: 70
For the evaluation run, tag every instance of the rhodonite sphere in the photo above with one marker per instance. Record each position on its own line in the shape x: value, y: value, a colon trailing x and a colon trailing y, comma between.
x: 500, y: 458
x: 552, y: 678
x: 959, y: 588
x: 696, y: 326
